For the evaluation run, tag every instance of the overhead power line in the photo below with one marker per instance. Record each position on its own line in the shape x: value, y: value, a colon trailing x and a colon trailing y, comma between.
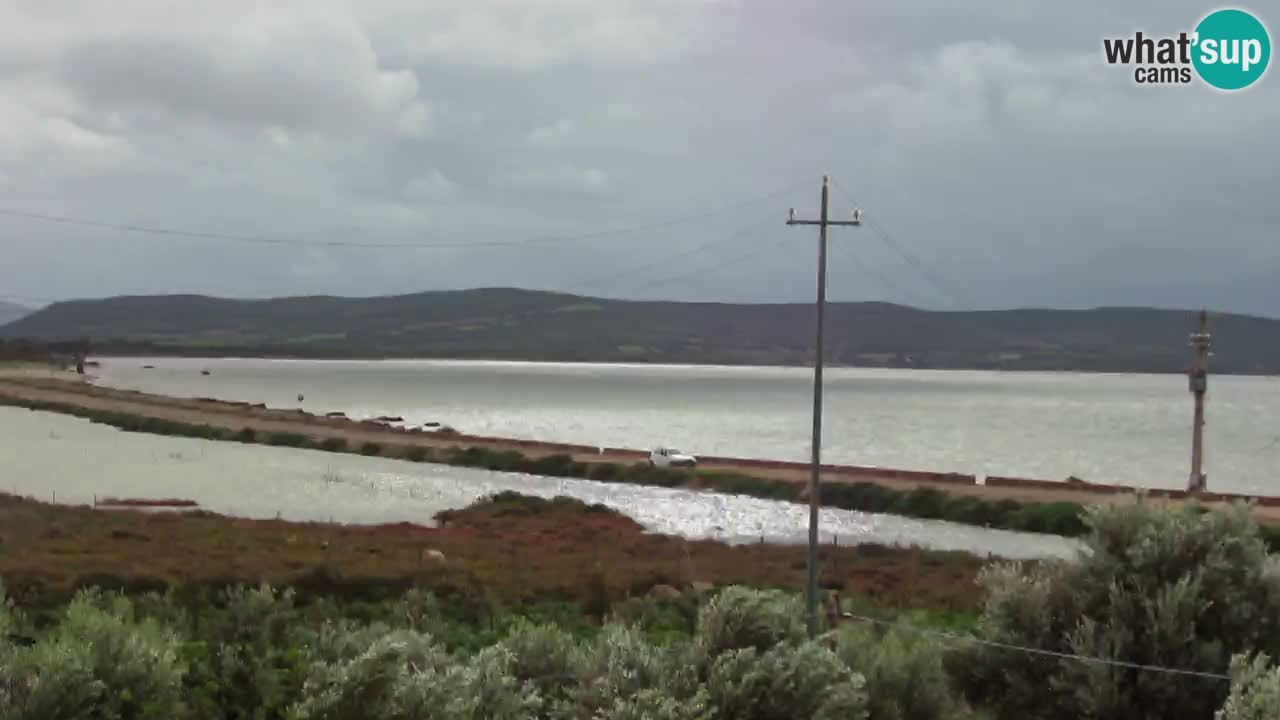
x: 954, y: 637
x: 907, y: 255
x: 577, y: 287
x: 704, y: 271
x: 969, y: 639
x: 666, y: 259
x: 453, y: 244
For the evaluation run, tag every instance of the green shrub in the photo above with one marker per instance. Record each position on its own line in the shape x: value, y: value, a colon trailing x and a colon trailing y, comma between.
x: 785, y: 682
x: 547, y: 658
x: 739, y: 617
x: 247, y: 435
x: 1271, y: 536
x: 371, y: 448
x: 1059, y: 518
x: 739, y: 484
x: 478, y: 457
x: 1173, y: 587
x: 334, y: 444
x: 418, y: 453
x: 605, y: 471
x: 863, y: 496
x: 250, y: 660
x: 645, y: 474
x: 502, y: 461
x: 1255, y: 690
x: 559, y: 465
x: 649, y: 704
x: 483, y: 688
x: 373, y: 683
x: 622, y: 663
x: 971, y: 511
x: 287, y: 439
x: 922, y: 502
x: 1003, y: 510
x: 905, y: 679
x: 99, y: 662
x: 659, y: 618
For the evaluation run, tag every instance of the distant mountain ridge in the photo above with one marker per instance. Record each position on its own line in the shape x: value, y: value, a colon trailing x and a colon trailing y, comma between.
x: 506, y: 323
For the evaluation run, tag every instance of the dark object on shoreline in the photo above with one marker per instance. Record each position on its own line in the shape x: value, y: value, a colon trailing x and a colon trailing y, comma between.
x: 335, y: 415
x: 432, y: 424
x: 148, y: 367
x: 389, y: 419
x: 205, y: 372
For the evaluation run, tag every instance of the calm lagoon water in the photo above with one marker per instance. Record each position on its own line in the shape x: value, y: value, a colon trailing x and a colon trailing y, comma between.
x: 1118, y: 428
x: 44, y: 455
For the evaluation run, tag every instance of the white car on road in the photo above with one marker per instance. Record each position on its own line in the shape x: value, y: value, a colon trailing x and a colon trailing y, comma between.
x: 671, y: 457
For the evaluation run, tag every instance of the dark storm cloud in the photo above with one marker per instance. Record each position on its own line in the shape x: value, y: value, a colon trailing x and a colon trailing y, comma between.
x: 989, y: 139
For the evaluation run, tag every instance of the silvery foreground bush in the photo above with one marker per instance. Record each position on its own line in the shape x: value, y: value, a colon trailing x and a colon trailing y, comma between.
x: 905, y: 678
x: 739, y: 618
x: 784, y: 682
x: 253, y: 654
x: 748, y: 661
x: 1174, y: 588
x: 100, y: 662
x: 1255, y: 690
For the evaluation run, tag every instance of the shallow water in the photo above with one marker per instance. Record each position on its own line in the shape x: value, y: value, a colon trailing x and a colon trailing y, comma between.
x: 1122, y: 428
x: 44, y: 455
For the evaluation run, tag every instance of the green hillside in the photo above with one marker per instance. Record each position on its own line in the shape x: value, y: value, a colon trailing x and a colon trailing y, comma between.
x: 518, y: 324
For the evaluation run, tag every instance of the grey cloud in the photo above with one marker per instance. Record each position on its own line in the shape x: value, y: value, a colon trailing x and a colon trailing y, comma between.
x: 298, y: 74
x: 988, y: 138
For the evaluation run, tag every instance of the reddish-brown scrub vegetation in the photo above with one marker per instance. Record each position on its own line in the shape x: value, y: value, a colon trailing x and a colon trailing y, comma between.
x: 514, y: 547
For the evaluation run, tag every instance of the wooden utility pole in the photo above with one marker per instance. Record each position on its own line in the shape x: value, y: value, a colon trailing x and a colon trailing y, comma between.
x: 822, y: 222
x: 1199, y: 376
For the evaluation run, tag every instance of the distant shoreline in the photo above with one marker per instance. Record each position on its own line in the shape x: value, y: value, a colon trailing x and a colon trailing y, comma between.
x: 635, y: 363
x: 69, y: 393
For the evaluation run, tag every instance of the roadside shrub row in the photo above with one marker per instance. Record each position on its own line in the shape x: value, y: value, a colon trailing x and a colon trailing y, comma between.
x: 1059, y: 518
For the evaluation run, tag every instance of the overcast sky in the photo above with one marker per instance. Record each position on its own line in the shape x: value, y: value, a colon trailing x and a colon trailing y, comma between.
x: 631, y: 148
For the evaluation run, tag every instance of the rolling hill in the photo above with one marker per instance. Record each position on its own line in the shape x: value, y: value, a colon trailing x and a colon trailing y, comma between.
x: 10, y: 312
x: 502, y: 323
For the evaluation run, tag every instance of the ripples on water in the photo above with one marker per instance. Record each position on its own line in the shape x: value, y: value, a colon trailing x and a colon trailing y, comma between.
x: 1122, y: 428
x: 42, y: 454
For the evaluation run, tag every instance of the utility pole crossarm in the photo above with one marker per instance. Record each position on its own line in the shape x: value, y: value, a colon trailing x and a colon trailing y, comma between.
x: 823, y: 222
x: 829, y: 223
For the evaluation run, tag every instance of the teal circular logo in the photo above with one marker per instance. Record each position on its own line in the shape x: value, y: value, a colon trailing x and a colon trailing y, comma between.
x: 1231, y: 49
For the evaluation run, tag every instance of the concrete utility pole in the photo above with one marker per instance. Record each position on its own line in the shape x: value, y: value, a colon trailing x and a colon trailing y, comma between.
x: 822, y: 223
x: 1199, y: 376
